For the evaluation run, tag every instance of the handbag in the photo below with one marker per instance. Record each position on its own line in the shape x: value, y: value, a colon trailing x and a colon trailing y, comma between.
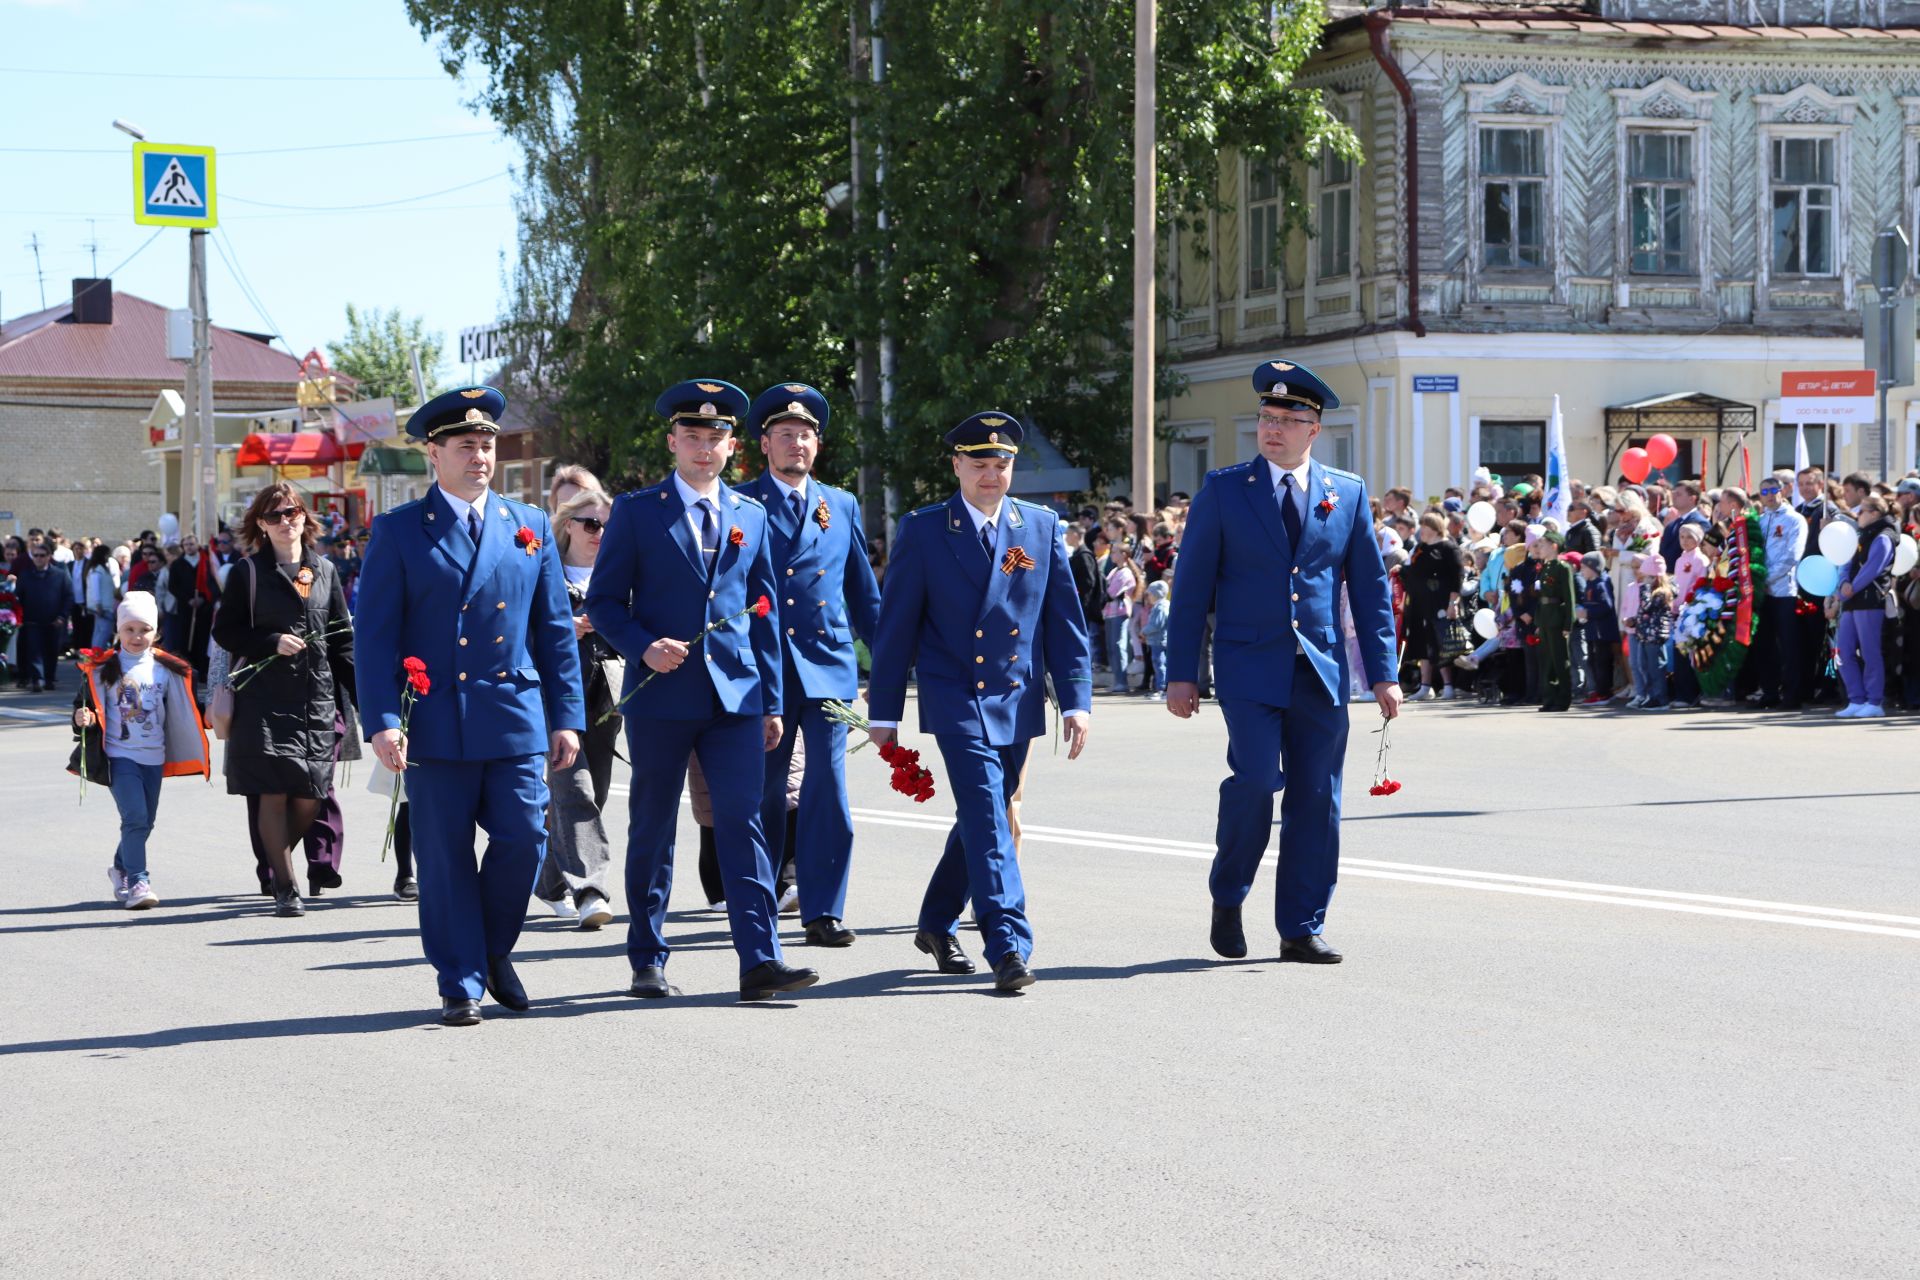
x: 1454, y: 639
x: 220, y: 709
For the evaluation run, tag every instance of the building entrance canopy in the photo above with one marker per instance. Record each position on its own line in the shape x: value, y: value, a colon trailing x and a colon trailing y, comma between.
x: 1684, y: 415
x: 295, y: 448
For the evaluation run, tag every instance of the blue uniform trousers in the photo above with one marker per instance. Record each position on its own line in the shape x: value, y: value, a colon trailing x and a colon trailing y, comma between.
x: 1310, y: 737
x: 471, y: 911
x: 823, y: 834
x: 979, y: 858
x: 732, y: 754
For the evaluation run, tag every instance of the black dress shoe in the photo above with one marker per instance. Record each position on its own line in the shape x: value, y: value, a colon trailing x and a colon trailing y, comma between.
x: 827, y: 931
x: 1312, y: 949
x: 459, y: 1011
x: 945, y: 950
x: 407, y: 889
x: 503, y: 984
x: 287, y: 903
x: 1012, y: 974
x: 772, y: 978
x: 1228, y: 938
x: 321, y: 876
x: 651, y: 983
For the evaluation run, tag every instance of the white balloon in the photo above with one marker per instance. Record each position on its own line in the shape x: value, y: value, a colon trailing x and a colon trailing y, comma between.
x: 1480, y: 517
x: 1906, y: 556
x: 1485, y: 625
x: 1838, y: 541
x: 169, y: 527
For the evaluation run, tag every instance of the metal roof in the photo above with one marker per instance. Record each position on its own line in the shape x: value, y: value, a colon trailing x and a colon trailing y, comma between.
x: 48, y: 344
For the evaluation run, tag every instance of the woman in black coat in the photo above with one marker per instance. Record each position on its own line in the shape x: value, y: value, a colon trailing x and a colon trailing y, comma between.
x: 1433, y: 579
x: 284, y: 614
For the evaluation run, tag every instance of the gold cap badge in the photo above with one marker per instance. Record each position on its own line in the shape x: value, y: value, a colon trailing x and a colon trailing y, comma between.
x: 474, y: 393
x: 796, y: 407
x: 993, y: 422
x: 795, y: 388
x: 1281, y: 366
x: 993, y: 437
x: 712, y: 389
x: 474, y: 415
x: 709, y: 410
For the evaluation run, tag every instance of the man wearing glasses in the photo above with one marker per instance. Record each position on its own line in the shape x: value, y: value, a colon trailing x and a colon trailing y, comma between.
x: 46, y: 604
x: 1782, y: 666
x: 1279, y: 660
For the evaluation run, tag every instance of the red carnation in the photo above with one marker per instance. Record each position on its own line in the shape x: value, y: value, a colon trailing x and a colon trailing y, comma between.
x: 737, y: 536
x: 762, y: 607
x: 421, y: 685
x: 413, y: 664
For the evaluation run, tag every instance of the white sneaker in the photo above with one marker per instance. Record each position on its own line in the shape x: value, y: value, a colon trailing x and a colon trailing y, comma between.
x: 118, y: 879
x: 1870, y: 711
x: 140, y: 896
x: 719, y: 908
x: 790, y: 900
x: 595, y: 913
x: 1637, y: 701
x: 1422, y: 694
x: 1849, y: 712
x: 563, y: 908
x: 1467, y: 662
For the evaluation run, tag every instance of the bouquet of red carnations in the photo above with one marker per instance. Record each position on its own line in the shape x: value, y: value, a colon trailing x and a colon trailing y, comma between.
x: 910, y: 777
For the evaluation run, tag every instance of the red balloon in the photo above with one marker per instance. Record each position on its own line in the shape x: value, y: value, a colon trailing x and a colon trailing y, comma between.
x: 1634, y: 465
x: 1661, y: 451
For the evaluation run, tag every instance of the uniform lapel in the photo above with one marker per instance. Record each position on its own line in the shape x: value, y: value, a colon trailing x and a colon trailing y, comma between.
x: 673, y: 515
x: 1012, y: 532
x: 729, y: 503
x: 497, y: 528
x: 965, y: 542
x: 808, y: 533
x: 1313, y: 525
x: 443, y: 531
x: 1266, y: 505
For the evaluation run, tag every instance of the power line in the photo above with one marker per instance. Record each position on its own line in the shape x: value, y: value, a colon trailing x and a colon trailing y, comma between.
x: 230, y: 255
x: 429, y: 208
x: 258, y: 151
x: 353, y: 208
x: 114, y: 271
x: 173, y: 75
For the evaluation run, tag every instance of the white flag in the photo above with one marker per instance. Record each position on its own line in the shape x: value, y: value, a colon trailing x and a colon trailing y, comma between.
x: 1554, y: 503
x: 1800, y: 462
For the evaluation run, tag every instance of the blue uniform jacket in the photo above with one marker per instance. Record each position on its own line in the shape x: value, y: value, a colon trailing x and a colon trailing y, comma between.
x: 984, y: 637
x: 1603, y: 621
x: 1270, y: 598
x: 649, y: 581
x: 828, y: 593
x: 495, y: 633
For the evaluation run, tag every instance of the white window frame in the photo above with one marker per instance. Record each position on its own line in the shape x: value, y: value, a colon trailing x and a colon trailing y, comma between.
x: 1517, y: 102
x: 1192, y: 431
x: 1208, y: 308
x: 1805, y: 112
x: 1275, y: 296
x: 1346, y: 107
x: 1910, y: 174
x: 1339, y: 425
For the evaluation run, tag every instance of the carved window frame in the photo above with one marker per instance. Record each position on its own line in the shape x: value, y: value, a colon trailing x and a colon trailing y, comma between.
x: 1910, y: 174
x: 1665, y: 106
x: 1347, y: 108
x: 1807, y: 111
x: 1274, y: 296
x: 1176, y: 317
x: 1517, y: 102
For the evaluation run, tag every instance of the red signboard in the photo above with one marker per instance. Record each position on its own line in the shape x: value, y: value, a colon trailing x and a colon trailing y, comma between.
x: 1843, y: 382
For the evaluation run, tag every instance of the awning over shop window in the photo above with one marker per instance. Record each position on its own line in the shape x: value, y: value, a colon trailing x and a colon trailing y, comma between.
x: 294, y: 448
x: 380, y: 460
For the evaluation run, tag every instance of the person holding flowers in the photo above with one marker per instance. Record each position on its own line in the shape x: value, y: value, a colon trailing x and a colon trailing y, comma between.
x: 683, y: 588
x: 283, y: 618
x: 979, y: 599
x: 472, y: 690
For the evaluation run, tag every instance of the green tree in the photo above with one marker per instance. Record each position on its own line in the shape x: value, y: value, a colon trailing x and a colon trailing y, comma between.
x: 678, y: 210
x: 375, y: 353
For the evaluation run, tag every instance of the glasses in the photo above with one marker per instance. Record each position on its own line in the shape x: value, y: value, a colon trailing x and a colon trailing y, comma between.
x: 42, y: 555
x: 592, y: 524
x: 1770, y: 491
x: 282, y: 513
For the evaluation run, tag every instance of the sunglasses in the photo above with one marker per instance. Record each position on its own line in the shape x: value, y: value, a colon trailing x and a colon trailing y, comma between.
x: 1770, y: 491
x: 281, y: 513
x: 592, y: 524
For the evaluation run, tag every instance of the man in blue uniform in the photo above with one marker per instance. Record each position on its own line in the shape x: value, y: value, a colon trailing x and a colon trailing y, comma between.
x: 1268, y: 545
x: 979, y: 597
x: 468, y: 582
x: 828, y: 595
x: 680, y: 568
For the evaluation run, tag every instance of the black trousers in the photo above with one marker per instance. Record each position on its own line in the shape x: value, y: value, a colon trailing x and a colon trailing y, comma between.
x: 1600, y: 662
x: 1779, y: 658
x: 782, y: 858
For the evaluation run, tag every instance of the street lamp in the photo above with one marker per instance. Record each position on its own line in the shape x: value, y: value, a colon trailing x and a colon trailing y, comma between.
x: 130, y: 129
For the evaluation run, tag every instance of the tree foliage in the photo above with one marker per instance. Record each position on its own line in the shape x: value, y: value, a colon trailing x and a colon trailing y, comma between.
x: 679, y: 212
x: 375, y: 353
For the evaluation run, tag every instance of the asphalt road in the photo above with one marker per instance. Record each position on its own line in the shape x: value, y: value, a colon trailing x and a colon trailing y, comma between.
x: 1623, y: 996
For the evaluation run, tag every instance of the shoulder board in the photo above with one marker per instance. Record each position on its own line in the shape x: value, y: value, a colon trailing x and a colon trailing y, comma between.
x: 930, y: 509
x: 741, y: 493
x: 1235, y: 468
x: 415, y: 505
x: 1344, y: 475
x: 1033, y: 506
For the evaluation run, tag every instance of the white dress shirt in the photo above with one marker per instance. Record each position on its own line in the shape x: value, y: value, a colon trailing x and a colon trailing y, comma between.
x: 787, y: 491
x: 1299, y: 474
x: 461, y: 507
x: 690, y: 496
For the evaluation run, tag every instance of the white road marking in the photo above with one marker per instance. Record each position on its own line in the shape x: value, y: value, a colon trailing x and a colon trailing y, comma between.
x: 35, y: 717
x: 1704, y: 904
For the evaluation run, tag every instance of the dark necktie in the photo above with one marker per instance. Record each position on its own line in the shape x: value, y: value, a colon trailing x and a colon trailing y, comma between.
x: 709, y: 535
x: 473, y: 526
x: 797, y: 508
x: 1289, y: 513
x: 986, y: 540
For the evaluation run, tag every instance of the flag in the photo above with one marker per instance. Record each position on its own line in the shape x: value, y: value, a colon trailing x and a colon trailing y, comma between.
x: 1800, y: 462
x: 1554, y: 502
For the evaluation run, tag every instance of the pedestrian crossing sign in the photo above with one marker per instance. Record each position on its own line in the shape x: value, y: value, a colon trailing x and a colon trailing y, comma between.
x: 173, y: 185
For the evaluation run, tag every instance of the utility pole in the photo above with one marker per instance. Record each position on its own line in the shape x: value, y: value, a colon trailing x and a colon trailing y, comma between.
x: 197, y: 473
x: 877, y: 43
x: 1145, y: 92
x: 872, y: 478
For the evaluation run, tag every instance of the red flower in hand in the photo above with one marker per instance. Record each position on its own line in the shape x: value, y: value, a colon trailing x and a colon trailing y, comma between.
x: 762, y: 606
x: 418, y: 680
x: 413, y: 665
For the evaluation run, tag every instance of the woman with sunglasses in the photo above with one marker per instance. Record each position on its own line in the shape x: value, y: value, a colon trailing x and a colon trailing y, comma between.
x: 578, y: 852
x: 283, y: 614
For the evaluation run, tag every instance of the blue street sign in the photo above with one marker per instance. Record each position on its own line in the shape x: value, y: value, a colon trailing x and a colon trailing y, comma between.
x: 173, y: 185
x: 1435, y: 383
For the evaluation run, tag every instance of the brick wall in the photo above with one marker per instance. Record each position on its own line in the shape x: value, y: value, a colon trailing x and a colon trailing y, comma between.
x: 81, y: 470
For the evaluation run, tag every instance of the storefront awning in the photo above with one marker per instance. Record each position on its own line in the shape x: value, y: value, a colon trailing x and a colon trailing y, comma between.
x: 1691, y: 414
x: 381, y: 460
x: 294, y: 448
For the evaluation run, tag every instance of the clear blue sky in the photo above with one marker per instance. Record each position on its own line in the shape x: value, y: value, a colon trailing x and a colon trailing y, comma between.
x: 370, y: 78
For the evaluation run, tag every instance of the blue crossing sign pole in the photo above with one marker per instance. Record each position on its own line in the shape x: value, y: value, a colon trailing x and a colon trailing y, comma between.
x: 173, y: 186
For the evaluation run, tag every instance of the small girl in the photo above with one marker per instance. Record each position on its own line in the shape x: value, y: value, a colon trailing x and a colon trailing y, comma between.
x: 137, y: 723
x: 1651, y: 626
x: 1153, y: 633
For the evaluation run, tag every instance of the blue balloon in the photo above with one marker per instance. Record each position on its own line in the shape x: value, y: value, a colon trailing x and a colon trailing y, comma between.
x: 1818, y: 575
